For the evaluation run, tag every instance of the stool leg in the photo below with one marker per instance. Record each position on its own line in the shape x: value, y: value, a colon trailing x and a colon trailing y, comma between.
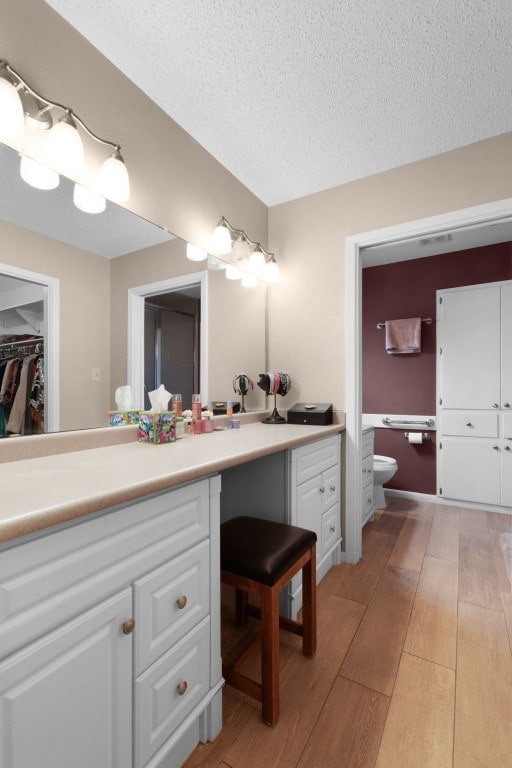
x: 241, y: 600
x: 309, y: 605
x: 270, y: 655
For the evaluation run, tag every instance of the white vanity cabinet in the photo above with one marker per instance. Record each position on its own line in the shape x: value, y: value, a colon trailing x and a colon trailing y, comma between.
x: 367, y: 450
x: 314, y: 496
x: 475, y: 393
x: 110, y: 636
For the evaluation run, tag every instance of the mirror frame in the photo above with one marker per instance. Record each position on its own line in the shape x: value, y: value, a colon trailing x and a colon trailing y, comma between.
x: 51, y: 340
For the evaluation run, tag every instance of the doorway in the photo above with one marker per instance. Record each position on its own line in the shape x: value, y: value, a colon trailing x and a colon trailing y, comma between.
x: 189, y: 286
x: 172, y: 342
x: 478, y: 216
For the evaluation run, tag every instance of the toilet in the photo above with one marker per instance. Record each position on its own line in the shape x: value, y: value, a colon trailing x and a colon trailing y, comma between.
x: 384, y: 467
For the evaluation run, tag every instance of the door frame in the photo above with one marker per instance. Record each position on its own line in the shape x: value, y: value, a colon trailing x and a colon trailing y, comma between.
x: 476, y: 216
x: 51, y: 340
x: 136, y: 301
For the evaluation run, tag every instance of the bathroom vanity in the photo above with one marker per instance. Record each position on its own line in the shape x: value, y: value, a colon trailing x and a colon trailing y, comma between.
x: 109, y: 576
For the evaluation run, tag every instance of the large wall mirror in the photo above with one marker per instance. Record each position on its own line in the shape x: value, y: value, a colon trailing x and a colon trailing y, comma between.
x: 96, y: 260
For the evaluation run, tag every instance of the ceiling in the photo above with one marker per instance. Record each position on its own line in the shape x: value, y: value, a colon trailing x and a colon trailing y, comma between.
x: 297, y: 96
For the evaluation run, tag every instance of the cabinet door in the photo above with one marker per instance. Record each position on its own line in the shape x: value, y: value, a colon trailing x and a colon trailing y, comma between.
x: 470, y: 340
x: 309, y: 506
x: 506, y: 474
x: 506, y: 346
x: 470, y: 470
x: 66, y: 698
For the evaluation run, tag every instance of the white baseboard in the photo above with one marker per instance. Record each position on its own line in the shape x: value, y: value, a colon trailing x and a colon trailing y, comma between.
x: 428, y: 497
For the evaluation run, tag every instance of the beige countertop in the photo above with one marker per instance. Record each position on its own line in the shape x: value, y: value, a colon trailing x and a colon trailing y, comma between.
x: 37, y: 493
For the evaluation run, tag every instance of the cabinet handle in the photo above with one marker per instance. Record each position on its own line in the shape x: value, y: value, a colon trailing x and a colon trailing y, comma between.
x: 333, y: 529
x: 128, y: 626
x: 495, y: 447
x: 495, y: 405
x: 181, y: 601
x: 507, y: 447
x: 322, y: 489
x: 333, y: 488
x: 506, y: 405
x: 182, y: 687
x: 468, y: 424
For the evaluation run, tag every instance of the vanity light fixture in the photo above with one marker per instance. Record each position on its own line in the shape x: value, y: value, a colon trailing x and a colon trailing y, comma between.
x: 87, y: 200
x: 37, y: 175
x: 195, y: 254
x: 64, y: 149
x: 243, y: 255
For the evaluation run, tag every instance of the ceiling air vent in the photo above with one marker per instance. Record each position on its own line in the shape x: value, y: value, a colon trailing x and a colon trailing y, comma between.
x: 434, y: 240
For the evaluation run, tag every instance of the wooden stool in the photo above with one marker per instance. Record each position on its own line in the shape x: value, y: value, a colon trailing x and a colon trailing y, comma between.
x: 260, y: 557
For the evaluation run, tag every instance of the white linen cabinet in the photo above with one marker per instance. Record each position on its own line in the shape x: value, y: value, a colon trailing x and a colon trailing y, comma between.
x: 475, y: 393
x: 110, y: 636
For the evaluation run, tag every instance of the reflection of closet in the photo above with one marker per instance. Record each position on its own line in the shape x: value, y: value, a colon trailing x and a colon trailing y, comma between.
x: 22, y: 387
x: 475, y: 393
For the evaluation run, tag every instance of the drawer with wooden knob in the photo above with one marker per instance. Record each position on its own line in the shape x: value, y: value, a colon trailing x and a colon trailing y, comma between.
x: 169, y: 602
x: 169, y: 690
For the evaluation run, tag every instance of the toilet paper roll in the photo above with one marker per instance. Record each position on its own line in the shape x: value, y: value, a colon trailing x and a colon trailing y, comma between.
x: 415, y: 438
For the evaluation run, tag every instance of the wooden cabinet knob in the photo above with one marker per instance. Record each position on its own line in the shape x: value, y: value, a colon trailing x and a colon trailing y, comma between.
x: 128, y: 626
x: 182, y: 687
x: 181, y: 601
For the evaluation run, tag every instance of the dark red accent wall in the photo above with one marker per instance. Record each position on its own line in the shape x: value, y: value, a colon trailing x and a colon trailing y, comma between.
x: 406, y: 384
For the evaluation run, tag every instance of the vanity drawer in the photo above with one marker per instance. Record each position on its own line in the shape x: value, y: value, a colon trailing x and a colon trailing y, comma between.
x: 169, y: 690
x: 315, y: 458
x: 169, y: 602
x: 331, y: 485
x: 367, y: 471
x: 330, y: 528
x: 470, y: 424
x: 367, y: 444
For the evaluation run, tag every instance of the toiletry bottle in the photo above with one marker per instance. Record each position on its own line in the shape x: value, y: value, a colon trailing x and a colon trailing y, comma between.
x: 196, y: 407
x: 177, y: 405
x: 229, y: 408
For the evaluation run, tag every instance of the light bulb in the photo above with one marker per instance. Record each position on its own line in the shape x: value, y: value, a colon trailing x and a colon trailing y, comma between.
x: 220, y: 241
x: 215, y: 263
x: 195, y: 254
x: 12, y: 124
x: 249, y: 281
x: 37, y: 175
x: 114, y: 179
x: 64, y: 148
x: 233, y: 273
x: 257, y: 262
x: 87, y: 200
x: 271, y: 271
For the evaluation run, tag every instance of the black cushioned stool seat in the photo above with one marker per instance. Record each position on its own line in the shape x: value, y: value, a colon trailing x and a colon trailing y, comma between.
x: 260, y: 557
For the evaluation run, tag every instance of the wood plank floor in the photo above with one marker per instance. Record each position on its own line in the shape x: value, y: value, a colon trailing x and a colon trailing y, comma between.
x: 414, y: 662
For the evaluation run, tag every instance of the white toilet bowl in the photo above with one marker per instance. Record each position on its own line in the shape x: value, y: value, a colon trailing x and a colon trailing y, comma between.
x: 384, y: 467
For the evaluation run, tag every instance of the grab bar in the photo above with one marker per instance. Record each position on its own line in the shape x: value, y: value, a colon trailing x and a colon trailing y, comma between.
x: 387, y: 421
x: 426, y: 320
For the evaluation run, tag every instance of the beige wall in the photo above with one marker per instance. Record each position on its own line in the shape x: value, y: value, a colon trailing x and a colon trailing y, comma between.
x: 306, y: 312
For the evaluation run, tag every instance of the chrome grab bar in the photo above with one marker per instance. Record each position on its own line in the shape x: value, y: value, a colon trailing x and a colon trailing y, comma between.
x: 388, y: 422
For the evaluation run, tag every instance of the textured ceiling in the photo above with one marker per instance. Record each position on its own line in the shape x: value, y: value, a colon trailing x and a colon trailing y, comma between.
x: 296, y: 96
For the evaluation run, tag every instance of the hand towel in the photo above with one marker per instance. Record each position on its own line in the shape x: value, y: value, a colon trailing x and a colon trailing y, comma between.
x: 403, y: 337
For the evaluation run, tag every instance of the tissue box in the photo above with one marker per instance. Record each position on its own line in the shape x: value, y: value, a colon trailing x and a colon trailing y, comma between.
x: 120, y: 418
x: 310, y: 413
x: 157, y: 427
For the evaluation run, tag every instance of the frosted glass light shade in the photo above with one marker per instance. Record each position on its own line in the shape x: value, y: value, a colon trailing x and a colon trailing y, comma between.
x: 240, y: 250
x: 271, y: 272
x: 12, y: 124
x: 257, y: 262
x: 220, y: 241
x: 249, y: 281
x: 87, y: 200
x: 64, y: 148
x: 233, y: 273
x: 114, y: 179
x: 37, y: 175
x: 195, y: 254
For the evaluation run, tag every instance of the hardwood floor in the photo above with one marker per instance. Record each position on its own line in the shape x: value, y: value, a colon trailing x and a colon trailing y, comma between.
x: 414, y: 661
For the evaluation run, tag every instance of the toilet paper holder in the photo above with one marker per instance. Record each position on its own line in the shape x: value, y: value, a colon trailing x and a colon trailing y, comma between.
x: 424, y: 435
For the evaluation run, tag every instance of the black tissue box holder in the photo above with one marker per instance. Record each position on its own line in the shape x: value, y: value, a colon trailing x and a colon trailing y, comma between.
x: 319, y: 414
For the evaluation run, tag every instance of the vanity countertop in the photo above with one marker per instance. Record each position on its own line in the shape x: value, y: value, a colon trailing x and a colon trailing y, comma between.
x: 41, y: 492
